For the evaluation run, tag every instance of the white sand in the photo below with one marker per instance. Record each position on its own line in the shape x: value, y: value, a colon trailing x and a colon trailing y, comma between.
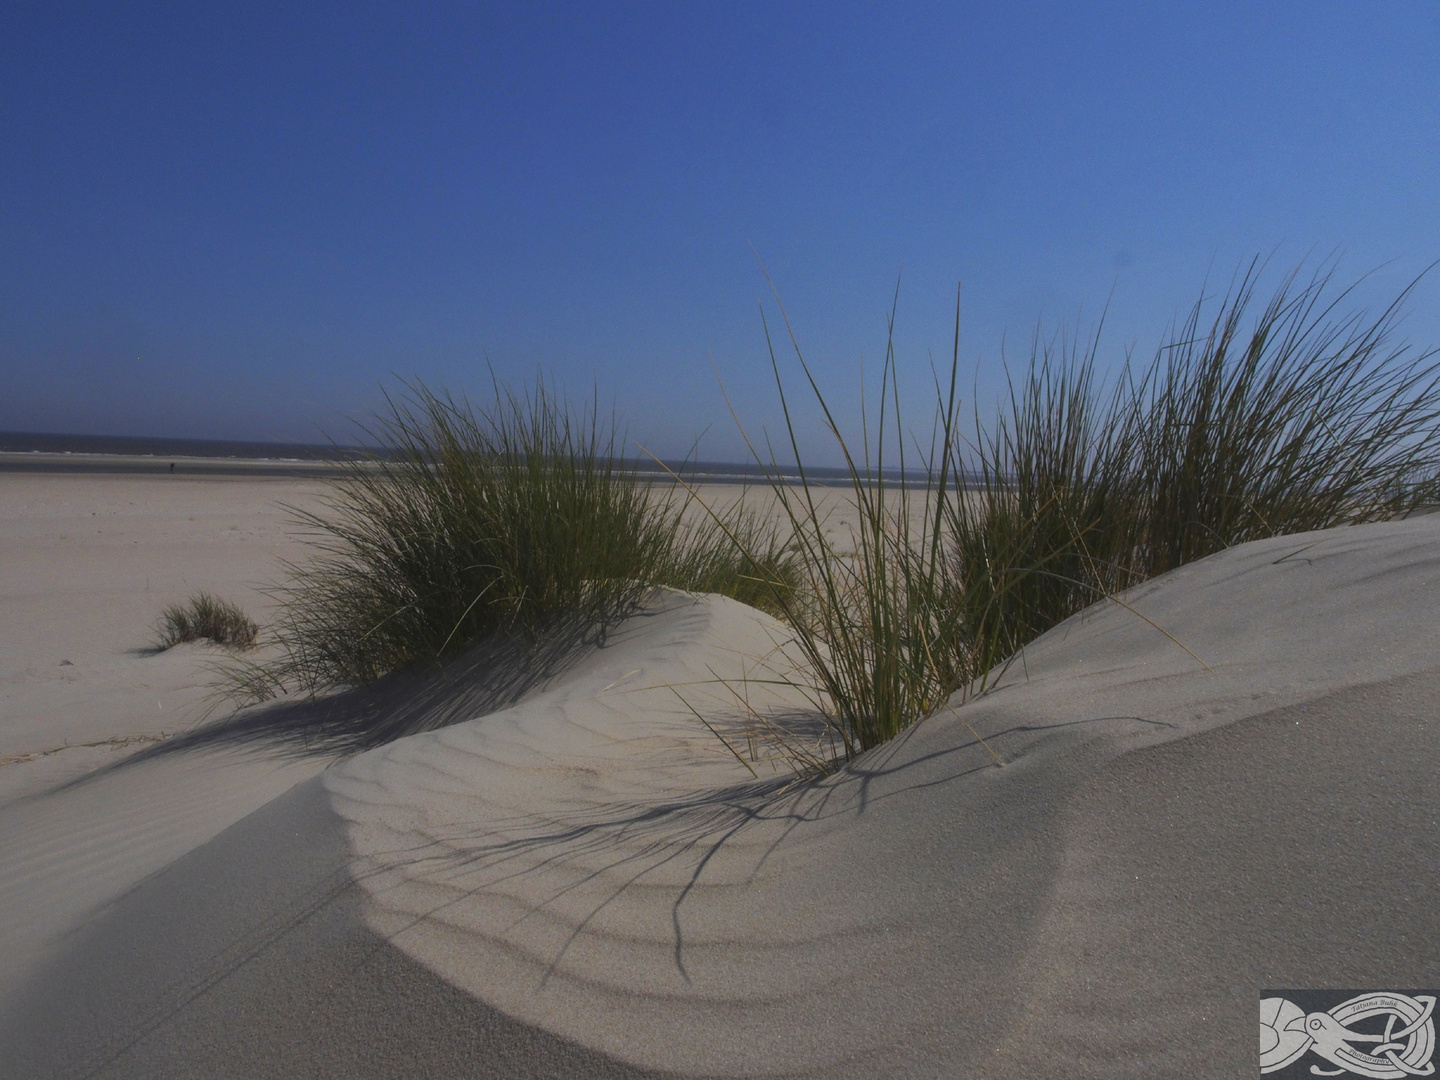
x: 563, y: 862
x: 89, y: 562
x: 588, y: 883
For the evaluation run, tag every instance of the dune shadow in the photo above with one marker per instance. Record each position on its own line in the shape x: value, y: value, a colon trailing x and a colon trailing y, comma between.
x: 624, y: 844
x: 491, y: 676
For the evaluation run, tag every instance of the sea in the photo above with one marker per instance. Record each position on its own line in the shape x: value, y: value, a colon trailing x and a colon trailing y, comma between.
x: 26, y: 451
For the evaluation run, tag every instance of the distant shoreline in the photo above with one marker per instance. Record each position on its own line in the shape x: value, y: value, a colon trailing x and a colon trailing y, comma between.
x: 25, y: 452
x: 99, y: 464
x: 81, y: 464
x: 34, y: 442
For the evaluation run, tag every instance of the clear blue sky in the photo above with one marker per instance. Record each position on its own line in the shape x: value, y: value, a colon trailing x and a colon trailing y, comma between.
x: 238, y: 220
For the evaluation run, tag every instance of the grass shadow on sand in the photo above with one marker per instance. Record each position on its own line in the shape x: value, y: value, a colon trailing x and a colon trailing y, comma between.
x: 491, y: 676
x: 617, y: 847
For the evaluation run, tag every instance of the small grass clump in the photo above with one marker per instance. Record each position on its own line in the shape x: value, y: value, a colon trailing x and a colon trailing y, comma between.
x: 516, y: 518
x: 205, y: 618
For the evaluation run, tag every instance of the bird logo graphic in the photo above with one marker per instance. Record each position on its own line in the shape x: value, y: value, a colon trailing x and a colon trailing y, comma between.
x: 1403, y: 1048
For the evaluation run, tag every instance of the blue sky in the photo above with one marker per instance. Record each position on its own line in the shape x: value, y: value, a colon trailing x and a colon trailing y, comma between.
x: 241, y: 220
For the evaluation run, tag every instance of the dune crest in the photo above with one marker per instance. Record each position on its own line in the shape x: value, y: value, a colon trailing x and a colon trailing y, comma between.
x: 594, y: 862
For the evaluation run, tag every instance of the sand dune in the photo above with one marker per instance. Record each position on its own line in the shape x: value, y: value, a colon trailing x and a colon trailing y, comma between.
x: 589, y: 883
x: 88, y: 564
x: 558, y: 862
x: 70, y: 851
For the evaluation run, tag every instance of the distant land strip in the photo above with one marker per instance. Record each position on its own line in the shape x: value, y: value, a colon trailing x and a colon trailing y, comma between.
x: 46, y: 452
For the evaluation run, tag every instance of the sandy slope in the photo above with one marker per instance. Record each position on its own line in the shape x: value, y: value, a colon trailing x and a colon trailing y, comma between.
x: 88, y: 563
x: 588, y: 879
x: 927, y: 908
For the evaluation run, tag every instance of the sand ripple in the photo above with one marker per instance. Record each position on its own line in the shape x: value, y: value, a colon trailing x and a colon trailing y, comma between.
x: 593, y: 861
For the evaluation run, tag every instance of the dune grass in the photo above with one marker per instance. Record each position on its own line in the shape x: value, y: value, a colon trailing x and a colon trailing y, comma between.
x: 205, y: 618
x: 1305, y: 419
x: 514, y: 518
x: 873, y: 621
x: 527, y: 515
x: 1081, y: 488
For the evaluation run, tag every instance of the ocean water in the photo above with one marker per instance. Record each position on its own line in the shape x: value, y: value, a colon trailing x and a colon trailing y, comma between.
x: 24, y: 442
x: 117, y: 453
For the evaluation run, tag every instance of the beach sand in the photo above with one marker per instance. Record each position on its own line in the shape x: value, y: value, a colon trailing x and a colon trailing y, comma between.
x: 587, y: 883
x: 88, y: 563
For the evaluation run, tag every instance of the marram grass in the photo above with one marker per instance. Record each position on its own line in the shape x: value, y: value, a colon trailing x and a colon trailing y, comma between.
x: 1245, y: 424
x: 1249, y: 421
x: 205, y: 618
x: 873, y: 619
x: 516, y: 518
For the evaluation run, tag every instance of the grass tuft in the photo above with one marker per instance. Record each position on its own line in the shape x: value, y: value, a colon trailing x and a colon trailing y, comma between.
x: 518, y: 517
x: 1079, y: 489
x: 874, y: 621
x: 1306, y: 420
x: 526, y: 516
x: 205, y: 618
